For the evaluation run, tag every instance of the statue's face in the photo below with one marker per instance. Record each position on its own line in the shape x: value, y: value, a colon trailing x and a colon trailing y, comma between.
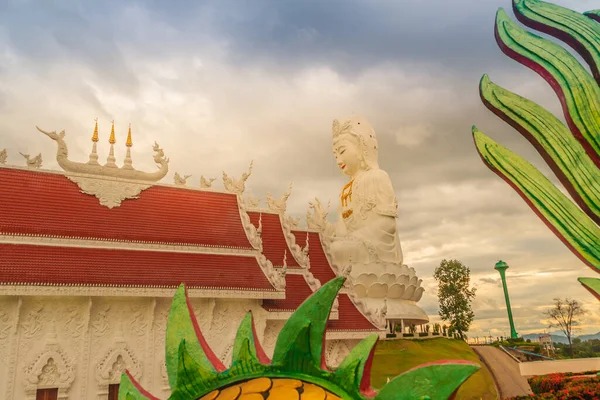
x: 347, y: 154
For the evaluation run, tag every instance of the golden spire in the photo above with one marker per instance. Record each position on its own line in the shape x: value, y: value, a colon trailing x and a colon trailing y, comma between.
x: 112, y: 140
x: 129, y: 143
x: 95, y: 135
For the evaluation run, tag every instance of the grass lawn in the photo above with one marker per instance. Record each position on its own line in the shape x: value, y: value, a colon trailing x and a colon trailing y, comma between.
x: 392, y: 357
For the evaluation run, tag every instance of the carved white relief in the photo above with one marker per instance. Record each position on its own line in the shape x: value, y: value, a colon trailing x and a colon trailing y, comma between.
x: 52, y: 369
x: 111, y: 193
x: 206, y: 183
x: 74, y: 323
x: 3, y: 156
x: 100, y: 321
x: 272, y: 329
x: 32, y: 322
x: 279, y: 205
x: 237, y: 186
x: 299, y: 255
x: 336, y: 351
x: 180, y: 180
x: 35, y: 162
x: 115, y: 361
x: 5, y: 324
x: 138, y: 324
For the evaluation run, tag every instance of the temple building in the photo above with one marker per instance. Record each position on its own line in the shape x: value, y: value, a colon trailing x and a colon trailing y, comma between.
x: 90, y: 258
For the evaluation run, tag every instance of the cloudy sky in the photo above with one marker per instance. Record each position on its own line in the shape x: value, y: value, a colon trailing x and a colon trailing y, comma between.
x: 219, y: 83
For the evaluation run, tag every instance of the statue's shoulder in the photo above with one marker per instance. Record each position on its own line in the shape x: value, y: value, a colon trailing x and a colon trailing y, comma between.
x: 374, y: 177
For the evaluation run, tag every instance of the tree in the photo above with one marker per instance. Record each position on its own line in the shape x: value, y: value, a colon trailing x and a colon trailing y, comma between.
x: 565, y: 315
x: 455, y: 296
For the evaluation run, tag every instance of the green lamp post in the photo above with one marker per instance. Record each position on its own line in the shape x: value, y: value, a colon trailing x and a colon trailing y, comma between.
x: 501, y: 267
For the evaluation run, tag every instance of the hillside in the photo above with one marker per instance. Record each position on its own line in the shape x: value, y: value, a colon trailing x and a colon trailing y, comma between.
x: 561, y: 338
x: 392, y: 357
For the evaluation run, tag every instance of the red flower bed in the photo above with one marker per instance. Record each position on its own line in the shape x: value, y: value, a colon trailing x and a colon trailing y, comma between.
x: 563, y: 387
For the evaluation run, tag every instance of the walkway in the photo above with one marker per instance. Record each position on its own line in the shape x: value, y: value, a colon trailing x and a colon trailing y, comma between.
x: 505, y: 371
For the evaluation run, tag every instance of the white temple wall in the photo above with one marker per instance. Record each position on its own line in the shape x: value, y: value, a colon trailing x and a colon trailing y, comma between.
x: 81, y: 345
x: 90, y: 341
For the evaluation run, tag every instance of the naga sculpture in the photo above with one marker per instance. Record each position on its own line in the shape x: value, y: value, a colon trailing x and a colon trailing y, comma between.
x: 297, y: 369
x: 573, y: 150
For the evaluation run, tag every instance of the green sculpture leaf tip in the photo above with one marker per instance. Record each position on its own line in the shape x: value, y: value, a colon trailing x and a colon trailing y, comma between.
x: 591, y: 284
x: 314, y: 310
x: 128, y: 389
x: 436, y: 380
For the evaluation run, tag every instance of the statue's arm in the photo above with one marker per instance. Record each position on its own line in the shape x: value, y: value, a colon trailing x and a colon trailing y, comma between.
x: 377, y: 224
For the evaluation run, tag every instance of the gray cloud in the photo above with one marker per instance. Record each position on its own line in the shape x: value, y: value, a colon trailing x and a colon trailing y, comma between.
x: 221, y: 83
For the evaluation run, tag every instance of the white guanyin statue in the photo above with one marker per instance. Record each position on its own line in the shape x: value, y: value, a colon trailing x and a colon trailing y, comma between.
x: 365, y: 240
x: 366, y: 231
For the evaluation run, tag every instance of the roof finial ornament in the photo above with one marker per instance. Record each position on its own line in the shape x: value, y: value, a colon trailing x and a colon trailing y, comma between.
x: 127, y: 164
x: 206, y: 183
x: 180, y: 180
x: 293, y: 222
x: 237, y: 186
x: 129, y: 142
x: 110, y: 160
x: 95, y: 134
x: 62, y: 157
x: 94, y: 154
x: 251, y: 202
x: 279, y: 205
x: 3, y: 156
x: 35, y: 162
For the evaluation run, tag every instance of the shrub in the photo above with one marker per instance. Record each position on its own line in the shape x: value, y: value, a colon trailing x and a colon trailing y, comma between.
x: 547, y: 383
x: 562, y: 386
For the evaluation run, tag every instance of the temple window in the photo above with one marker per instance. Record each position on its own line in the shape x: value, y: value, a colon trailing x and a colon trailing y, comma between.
x: 113, y: 391
x: 47, y: 394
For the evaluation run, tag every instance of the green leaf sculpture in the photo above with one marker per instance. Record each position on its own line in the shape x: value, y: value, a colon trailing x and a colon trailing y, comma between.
x: 298, y: 368
x: 572, y: 151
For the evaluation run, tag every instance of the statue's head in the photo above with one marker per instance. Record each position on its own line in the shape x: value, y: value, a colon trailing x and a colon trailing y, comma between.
x: 354, y: 145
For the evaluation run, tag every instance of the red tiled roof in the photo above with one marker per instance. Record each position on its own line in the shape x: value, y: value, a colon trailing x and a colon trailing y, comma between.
x: 296, y: 291
x: 274, y: 243
x: 349, y: 318
x: 319, y: 266
x: 27, y: 264
x: 38, y: 203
